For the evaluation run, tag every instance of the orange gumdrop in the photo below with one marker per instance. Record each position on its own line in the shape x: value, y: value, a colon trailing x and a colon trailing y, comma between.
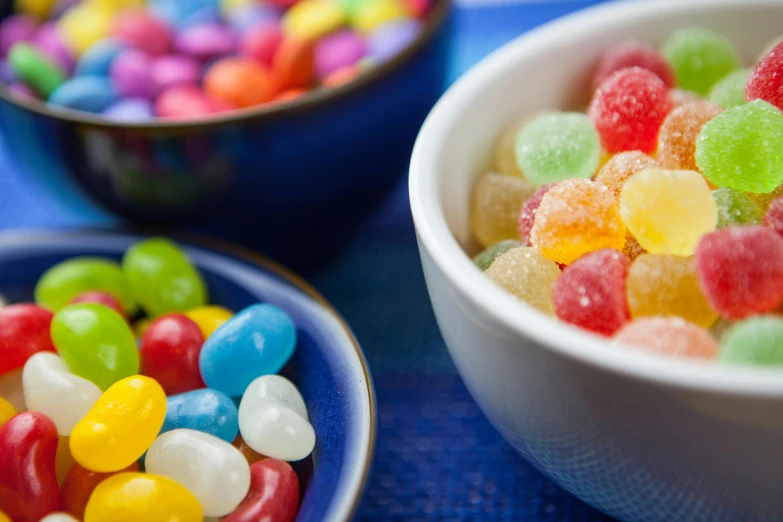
x: 293, y: 64
x: 239, y: 81
x: 79, y: 485
x: 677, y: 137
x: 622, y: 166
x: 341, y: 76
x: 249, y: 453
x: 63, y: 461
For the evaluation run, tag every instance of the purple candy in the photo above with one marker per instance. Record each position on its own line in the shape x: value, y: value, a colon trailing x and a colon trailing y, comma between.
x: 48, y: 41
x: 131, y: 75
x: 16, y: 28
x: 175, y: 69
x: 338, y: 50
x: 205, y: 41
x: 7, y: 73
x: 130, y: 110
x: 388, y: 40
x: 243, y: 18
x: 22, y: 91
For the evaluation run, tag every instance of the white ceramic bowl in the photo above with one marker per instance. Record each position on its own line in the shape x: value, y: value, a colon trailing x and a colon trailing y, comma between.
x: 641, y: 437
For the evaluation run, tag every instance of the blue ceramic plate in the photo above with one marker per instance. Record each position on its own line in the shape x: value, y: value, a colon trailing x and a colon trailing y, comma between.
x: 327, y: 366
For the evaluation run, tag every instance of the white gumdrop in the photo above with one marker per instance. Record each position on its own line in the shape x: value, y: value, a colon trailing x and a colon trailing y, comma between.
x: 50, y: 388
x: 213, y: 470
x: 59, y: 516
x: 273, y: 419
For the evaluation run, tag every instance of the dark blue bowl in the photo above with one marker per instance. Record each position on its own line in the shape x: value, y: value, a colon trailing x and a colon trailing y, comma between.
x: 327, y: 366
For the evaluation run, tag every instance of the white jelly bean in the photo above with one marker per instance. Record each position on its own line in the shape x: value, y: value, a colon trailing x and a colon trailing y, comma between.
x: 273, y: 419
x: 213, y: 470
x: 51, y: 388
x: 59, y: 517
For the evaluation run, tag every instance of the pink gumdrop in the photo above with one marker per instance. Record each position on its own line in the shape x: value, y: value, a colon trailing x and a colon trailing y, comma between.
x: 205, y: 41
x: 47, y: 40
x: 740, y: 270
x: 527, y: 215
x: 131, y: 75
x: 338, y: 50
x: 633, y: 54
x: 183, y: 102
x: 773, y: 219
x: 16, y: 28
x: 102, y: 298
x: 261, y: 41
x: 139, y: 29
x: 766, y: 80
x: 172, y: 70
x: 668, y: 335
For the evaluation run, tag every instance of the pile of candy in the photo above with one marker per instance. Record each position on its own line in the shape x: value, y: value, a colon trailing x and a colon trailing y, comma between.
x: 656, y: 218
x: 132, y: 60
x: 191, y: 423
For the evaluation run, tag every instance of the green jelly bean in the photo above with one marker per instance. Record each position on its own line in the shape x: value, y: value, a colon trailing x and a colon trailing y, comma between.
x: 489, y: 254
x: 758, y: 341
x: 35, y: 69
x: 162, y: 278
x: 96, y: 343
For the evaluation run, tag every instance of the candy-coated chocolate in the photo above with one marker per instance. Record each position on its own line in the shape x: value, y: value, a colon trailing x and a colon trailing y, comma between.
x: 37, y: 70
x: 97, y: 59
x: 16, y: 28
x: 131, y: 75
x: 239, y: 81
x: 85, y: 93
x: 260, y: 42
x: 143, y: 31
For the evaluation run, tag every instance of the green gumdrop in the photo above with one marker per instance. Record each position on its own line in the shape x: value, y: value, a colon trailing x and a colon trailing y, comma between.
x: 35, y: 69
x: 161, y: 277
x: 735, y: 208
x: 96, y: 343
x: 730, y: 91
x: 700, y: 58
x: 558, y: 146
x: 758, y: 340
x: 742, y: 148
x: 64, y: 281
x: 489, y: 254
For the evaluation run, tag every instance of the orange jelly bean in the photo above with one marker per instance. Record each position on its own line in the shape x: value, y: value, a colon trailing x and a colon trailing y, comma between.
x: 293, y: 64
x: 239, y: 81
x: 79, y: 485
x: 249, y: 453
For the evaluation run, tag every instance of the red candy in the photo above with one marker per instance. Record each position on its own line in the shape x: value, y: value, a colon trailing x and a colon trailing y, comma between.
x: 28, y: 482
x: 527, y: 214
x: 591, y: 292
x: 79, y: 485
x: 273, y: 495
x: 260, y: 43
x: 104, y: 298
x: 773, y: 219
x: 24, y: 330
x: 633, y: 54
x: 628, y: 110
x: 740, y: 270
x: 143, y: 31
x: 169, y: 353
x: 766, y: 80
x: 186, y: 101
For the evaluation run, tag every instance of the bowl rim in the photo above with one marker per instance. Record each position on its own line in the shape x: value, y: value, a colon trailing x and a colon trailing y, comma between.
x: 434, y: 21
x: 437, y: 241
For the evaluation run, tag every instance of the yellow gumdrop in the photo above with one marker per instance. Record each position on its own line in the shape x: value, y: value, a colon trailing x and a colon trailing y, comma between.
x: 374, y: 13
x: 497, y: 200
x: 504, y: 155
x: 312, y: 19
x: 209, y: 318
x: 7, y: 411
x: 668, y: 211
x: 131, y: 497
x: 121, y: 425
x: 83, y: 25
x: 527, y: 276
x: 36, y: 8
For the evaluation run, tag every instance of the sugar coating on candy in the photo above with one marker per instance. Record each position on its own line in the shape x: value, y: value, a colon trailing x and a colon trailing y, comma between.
x: 766, y: 80
x: 497, y: 200
x: 663, y: 285
x: 485, y: 258
x: 655, y: 209
x: 757, y: 341
x: 678, y: 134
x: 681, y: 97
x: 740, y: 270
x: 557, y: 146
x: 575, y: 217
x: 629, y: 108
x: 730, y: 90
x: 742, y: 148
x: 668, y: 335
x: 616, y: 171
x: 590, y: 293
x: 773, y: 218
x: 504, y: 156
x: 765, y: 200
x: 700, y: 58
x: 735, y: 207
x: 633, y: 54
x: 527, y: 215
x: 632, y: 249
x: 527, y: 276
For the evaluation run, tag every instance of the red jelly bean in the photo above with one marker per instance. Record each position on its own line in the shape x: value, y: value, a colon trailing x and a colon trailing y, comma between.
x: 528, y: 213
x: 28, y: 482
x: 104, y: 298
x: 633, y: 54
x: 79, y: 485
x: 628, y: 109
x: 273, y: 495
x: 24, y: 330
x: 766, y: 80
x: 773, y: 219
x: 740, y: 270
x: 169, y: 353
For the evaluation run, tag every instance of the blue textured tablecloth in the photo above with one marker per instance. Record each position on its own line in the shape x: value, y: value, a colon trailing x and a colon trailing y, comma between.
x: 437, y: 456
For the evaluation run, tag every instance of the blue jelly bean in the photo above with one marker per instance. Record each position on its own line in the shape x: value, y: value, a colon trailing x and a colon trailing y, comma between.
x: 97, y: 59
x: 204, y: 410
x: 131, y: 110
x: 205, y: 15
x: 257, y: 341
x: 85, y: 93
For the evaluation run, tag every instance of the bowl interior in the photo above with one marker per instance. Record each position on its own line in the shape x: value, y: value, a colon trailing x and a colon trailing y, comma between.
x: 327, y: 366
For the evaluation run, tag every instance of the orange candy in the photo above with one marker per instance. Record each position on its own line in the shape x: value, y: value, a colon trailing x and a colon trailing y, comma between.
x: 79, y: 485
x: 249, y: 453
x: 293, y: 64
x: 288, y: 95
x: 677, y: 137
x: 341, y: 76
x: 622, y: 166
x: 239, y: 81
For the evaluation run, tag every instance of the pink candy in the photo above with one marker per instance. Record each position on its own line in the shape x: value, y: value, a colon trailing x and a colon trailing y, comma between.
x: 172, y: 70
x: 186, y: 101
x: 205, y: 41
x: 766, y: 80
x: 16, y: 28
x: 528, y: 213
x: 337, y: 51
x: 143, y: 31
x: 131, y: 74
x: 668, y: 335
x: 260, y: 42
x: 773, y: 219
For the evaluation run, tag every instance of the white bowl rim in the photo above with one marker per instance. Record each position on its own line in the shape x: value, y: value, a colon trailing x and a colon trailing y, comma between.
x: 434, y: 235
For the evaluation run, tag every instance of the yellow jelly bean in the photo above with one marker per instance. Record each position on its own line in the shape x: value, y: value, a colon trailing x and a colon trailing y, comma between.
x: 312, y: 19
x: 370, y: 15
x: 117, y: 5
x: 130, y: 497
x: 4, y: 517
x: 37, y: 8
x: 83, y: 25
x: 121, y: 425
x: 209, y: 318
x: 7, y: 411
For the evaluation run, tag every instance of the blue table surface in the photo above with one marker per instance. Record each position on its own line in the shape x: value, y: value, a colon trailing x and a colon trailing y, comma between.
x: 437, y: 457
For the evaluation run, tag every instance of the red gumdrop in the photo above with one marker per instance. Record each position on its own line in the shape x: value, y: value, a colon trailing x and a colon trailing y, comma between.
x: 740, y: 270
x: 273, y: 495
x: 24, y: 330
x: 79, y: 485
x: 527, y: 215
x: 591, y: 292
x: 633, y: 54
x: 169, y: 353
x: 28, y: 481
x: 104, y: 298
x: 628, y: 110
x: 766, y: 80
x: 773, y: 219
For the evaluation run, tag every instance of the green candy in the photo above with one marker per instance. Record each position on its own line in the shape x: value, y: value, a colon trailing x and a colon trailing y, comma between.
x: 161, y: 277
x: 700, y: 58
x: 35, y: 69
x: 96, y: 343
x: 66, y: 280
x: 758, y: 341
x: 558, y: 146
x: 489, y: 254
x: 730, y: 91
x: 742, y: 148
x: 736, y: 208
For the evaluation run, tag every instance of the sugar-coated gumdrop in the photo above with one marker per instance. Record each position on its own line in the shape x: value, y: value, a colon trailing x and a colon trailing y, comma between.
x: 678, y: 134
x: 700, y: 58
x: 208, y: 411
x: 104, y: 298
x: 575, y: 217
x: 758, y: 341
x: 773, y: 218
x: 766, y: 80
x: 765, y: 200
x: 249, y: 453
x: 169, y: 353
x: 616, y: 171
x: 7, y: 411
x: 497, y: 200
x: 504, y: 156
x: 730, y: 91
x: 557, y: 146
x: 668, y: 335
x: 79, y: 485
x: 527, y: 215
x: 24, y: 331
x: 273, y: 495
x: 527, y: 276
x: 660, y: 218
x: 735, y: 207
x: 209, y: 318
x: 628, y: 110
x: 591, y: 292
x: 633, y: 54
x: 489, y: 254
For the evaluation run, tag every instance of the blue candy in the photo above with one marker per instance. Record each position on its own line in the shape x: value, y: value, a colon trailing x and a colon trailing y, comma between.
x: 205, y: 15
x: 97, y: 59
x: 257, y: 341
x: 174, y: 11
x: 85, y: 93
x: 131, y: 110
x: 204, y: 410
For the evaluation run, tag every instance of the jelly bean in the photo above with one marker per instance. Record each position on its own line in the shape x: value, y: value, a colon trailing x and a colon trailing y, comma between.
x: 50, y: 388
x: 83, y: 25
x: 294, y: 64
x: 7, y: 411
x: 390, y: 39
x: 212, y: 469
x: 208, y: 411
x: 249, y: 453
x: 63, y: 460
x: 130, y: 497
x: 28, y: 483
x: 756, y: 341
x: 79, y: 485
x: 11, y: 389
x: 527, y: 214
x: 485, y: 258
x: 120, y: 426
x: 205, y: 41
x: 104, y: 298
x: 256, y: 341
x: 85, y: 93
x: 273, y: 419
x: 162, y: 278
x: 58, y: 517
x: 39, y: 72
x: 16, y: 28
x: 668, y: 335
x: 765, y: 82
x: 632, y: 54
x: 209, y: 318
x: 239, y: 81
x: 4, y: 517
x: 260, y: 42
x: 528, y: 276
x: 616, y: 171
x: 730, y: 91
x: 24, y: 331
x: 497, y: 200
x: 37, y: 8
x: 273, y: 495
x: 141, y: 30
x: 173, y: 69
x: 97, y: 59
x: 183, y: 102
x: 313, y: 19
x: 47, y: 40
x: 338, y: 50
x: 371, y: 15
x: 341, y: 76
x: 169, y: 353
x: 700, y: 58
x: 131, y: 75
